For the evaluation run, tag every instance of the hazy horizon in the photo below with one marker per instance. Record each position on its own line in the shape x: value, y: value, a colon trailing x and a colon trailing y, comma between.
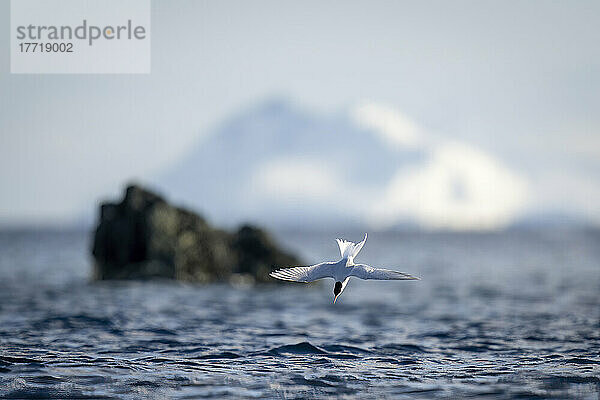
x: 516, y: 83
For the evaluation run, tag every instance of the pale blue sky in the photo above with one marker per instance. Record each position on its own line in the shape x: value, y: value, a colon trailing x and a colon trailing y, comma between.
x: 518, y: 79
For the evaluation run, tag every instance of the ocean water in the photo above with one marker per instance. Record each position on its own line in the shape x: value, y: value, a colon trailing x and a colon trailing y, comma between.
x: 502, y: 315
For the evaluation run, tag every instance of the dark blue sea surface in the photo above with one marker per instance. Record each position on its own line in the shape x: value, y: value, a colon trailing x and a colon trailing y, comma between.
x: 497, y: 315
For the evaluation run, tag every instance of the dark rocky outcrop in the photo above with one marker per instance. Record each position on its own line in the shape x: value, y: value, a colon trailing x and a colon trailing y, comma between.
x: 143, y: 237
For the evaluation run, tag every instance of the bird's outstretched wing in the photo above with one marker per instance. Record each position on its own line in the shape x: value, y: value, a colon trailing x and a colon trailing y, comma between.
x: 305, y: 274
x: 363, y: 271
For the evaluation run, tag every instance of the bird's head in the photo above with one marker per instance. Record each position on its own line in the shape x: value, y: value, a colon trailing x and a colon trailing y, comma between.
x: 338, y: 289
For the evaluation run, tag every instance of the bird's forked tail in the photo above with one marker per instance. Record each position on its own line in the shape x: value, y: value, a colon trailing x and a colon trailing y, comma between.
x: 348, y: 249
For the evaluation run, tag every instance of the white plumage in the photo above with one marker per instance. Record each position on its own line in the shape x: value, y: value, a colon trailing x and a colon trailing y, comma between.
x: 341, y: 270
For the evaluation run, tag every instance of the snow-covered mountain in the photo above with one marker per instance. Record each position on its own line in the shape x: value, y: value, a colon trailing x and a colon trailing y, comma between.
x: 369, y: 166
